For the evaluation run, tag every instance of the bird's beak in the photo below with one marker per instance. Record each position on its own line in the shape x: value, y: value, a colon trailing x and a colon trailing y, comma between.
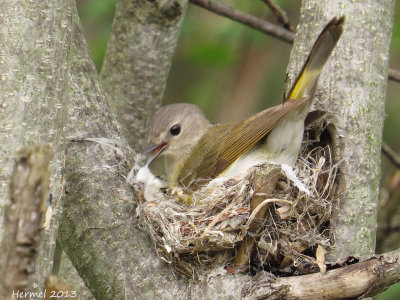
x: 154, y: 150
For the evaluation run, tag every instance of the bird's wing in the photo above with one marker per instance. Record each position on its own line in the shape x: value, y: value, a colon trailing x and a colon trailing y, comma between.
x: 221, y: 145
x: 213, y: 155
x: 200, y: 164
x: 249, y: 132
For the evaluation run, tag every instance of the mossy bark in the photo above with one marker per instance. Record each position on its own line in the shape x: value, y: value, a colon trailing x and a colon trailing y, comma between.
x: 352, y: 89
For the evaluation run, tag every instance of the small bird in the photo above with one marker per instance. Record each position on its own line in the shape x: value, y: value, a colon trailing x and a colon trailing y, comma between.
x: 196, y: 151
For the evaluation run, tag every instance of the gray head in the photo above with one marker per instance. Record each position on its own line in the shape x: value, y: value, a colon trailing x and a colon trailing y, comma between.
x: 174, y: 130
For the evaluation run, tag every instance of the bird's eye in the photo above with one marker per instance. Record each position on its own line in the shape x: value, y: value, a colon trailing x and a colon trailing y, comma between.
x: 175, y: 129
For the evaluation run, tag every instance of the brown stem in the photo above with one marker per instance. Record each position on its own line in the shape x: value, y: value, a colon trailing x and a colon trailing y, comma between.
x: 391, y: 154
x: 261, y: 25
x: 363, y: 279
x: 280, y: 14
x: 394, y: 75
x: 246, y: 19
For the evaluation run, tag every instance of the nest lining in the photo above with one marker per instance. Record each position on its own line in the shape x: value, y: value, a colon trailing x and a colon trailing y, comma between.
x: 203, y: 231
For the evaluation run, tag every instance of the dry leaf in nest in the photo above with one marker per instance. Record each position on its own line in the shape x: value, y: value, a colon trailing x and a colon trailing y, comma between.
x: 202, y: 235
x: 321, y: 258
x: 304, y: 222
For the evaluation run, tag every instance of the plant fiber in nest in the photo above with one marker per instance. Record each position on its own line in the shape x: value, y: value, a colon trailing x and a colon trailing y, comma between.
x: 203, y: 233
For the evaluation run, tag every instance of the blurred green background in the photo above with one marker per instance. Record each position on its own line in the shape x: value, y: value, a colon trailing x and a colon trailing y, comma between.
x: 220, y: 63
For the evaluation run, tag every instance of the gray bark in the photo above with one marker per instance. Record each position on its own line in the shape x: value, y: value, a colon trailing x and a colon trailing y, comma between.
x: 352, y: 89
x: 138, y: 59
x: 98, y: 229
x: 364, y: 279
x: 34, y: 59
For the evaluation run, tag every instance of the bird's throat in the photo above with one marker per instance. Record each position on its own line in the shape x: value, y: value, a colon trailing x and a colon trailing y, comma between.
x: 173, y: 164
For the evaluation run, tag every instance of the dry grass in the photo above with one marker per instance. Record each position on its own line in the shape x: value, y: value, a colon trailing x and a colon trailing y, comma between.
x: 199, y: 232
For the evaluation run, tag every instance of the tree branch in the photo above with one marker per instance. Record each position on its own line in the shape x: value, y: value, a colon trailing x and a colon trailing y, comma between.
x: 144, y: 35
x: 34, y: 94
x: 338, y: 94
x: 23, y: 219
x: 261, y: 25
x: 363, y: 279
x: 98, y: 229
x: 280, y: 14
x: 391, y: 155
x: 246, y: 19
x: 394, y: 75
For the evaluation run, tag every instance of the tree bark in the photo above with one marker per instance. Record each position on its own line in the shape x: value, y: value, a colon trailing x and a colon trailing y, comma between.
x: 138, y: 59
x: 34, y: 60
x: 363, y: 279
x: 352, y: 89
x: 99, y: 228
x: 23, y: 220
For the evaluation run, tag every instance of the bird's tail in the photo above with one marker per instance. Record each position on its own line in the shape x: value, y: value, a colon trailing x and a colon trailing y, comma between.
x: 306, y: 81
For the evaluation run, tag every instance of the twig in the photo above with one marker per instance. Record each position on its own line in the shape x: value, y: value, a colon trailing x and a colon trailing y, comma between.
x: 394, y: 75
x: 391, y: 154
x: 261, y: 25
x: 365, y: 278
x: 246, y: 19
x: 255, y: 211
x: 280, y: 14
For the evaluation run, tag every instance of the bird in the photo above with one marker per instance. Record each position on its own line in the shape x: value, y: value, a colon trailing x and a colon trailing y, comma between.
x: 197, y: 151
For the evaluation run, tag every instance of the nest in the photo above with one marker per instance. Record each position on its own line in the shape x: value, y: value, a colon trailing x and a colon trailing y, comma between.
x: 261, y: 221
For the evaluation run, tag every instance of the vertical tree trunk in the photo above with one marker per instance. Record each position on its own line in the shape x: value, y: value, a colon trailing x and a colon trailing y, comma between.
x: 35, y: 52
x: 352, y: 89
x: 98, y: 228
x: 138, y: 59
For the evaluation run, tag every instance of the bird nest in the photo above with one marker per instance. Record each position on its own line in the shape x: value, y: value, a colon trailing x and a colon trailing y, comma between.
x: 265, y: 220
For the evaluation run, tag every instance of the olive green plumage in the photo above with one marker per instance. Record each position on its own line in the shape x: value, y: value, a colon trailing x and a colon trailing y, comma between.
x: 196, y: 151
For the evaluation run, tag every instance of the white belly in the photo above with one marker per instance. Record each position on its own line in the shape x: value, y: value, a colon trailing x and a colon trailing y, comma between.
x: 244, y: 162
x: 281, y: 146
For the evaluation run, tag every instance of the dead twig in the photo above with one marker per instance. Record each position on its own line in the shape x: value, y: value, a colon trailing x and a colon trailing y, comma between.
x: 391, y: 155
x: 246, y: 19
x: 280, y: 14
x: 394, y: 75
x: 261, y: 25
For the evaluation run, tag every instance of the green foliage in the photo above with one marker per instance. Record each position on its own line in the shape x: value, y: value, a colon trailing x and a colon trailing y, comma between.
x: 395, y: 47
x: 393, y: 293
x: 96, y: 17
x: 210, y: 54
